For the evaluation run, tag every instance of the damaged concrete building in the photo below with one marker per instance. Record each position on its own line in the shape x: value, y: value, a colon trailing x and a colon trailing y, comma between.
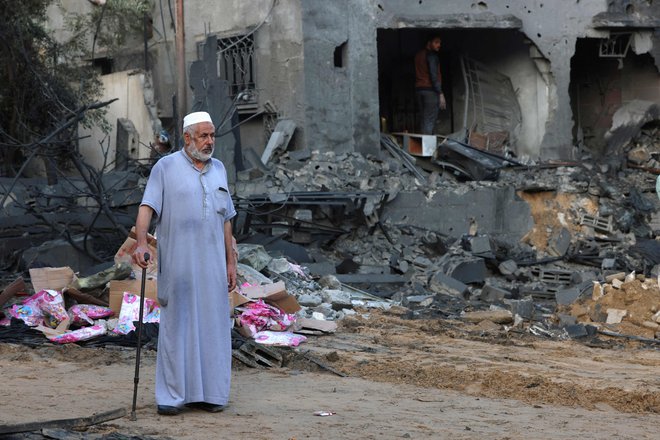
x: 551, y: 74
x: 548, y: 77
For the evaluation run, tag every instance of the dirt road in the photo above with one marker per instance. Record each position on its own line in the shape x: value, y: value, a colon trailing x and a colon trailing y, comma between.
x: 409, y: 379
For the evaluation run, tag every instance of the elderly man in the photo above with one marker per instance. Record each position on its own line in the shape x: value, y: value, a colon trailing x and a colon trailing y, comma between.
x: 188, y: 193
x: 428, y: 84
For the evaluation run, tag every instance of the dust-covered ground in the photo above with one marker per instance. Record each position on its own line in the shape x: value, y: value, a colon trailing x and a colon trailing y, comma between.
x: 407, y: 379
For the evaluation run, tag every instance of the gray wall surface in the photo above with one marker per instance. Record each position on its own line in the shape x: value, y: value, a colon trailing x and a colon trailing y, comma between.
x: 337, y: 107
x: 343, y: 103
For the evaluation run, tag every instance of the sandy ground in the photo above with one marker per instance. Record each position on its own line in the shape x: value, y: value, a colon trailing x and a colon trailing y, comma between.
x: 408, y: 379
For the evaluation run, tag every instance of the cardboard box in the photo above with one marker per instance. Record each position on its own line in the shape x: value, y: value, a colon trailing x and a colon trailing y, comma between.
x: 117, y: 289
x: 274, y: 294
x: 53, y: 278
x: 237, y: 299
x: 125, y: 254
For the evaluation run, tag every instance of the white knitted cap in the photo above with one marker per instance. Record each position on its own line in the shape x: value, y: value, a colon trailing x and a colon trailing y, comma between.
x: 196, y: 118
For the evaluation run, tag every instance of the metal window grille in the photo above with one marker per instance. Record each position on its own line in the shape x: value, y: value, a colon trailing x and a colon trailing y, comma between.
x: 236, y: 65
x: 616, y: 46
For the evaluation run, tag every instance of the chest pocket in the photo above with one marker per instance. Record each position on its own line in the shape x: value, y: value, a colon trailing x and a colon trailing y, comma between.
x: 220, y: 201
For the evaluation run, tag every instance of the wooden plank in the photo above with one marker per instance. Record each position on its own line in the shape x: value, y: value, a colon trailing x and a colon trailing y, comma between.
x: 75, y: 423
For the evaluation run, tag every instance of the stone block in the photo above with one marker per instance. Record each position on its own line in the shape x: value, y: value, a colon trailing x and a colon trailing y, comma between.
x: 338, y: 298
x: 615, y: 316
x: 566, y: 320
x: 418, y: 300
x: 522, y: 307
x: 568, y: 296
x: 560, y: 243
x: 310, y: 300
x: 608, y: 263
x: 481, y: 246
x: 493, y: 294
x: 576, y: 331
x: 441, y: 283
x: 508, y: 267
x: 466, y: 269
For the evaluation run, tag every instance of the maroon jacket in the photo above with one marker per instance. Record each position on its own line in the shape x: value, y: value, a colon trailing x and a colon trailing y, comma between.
x: 427, y: 71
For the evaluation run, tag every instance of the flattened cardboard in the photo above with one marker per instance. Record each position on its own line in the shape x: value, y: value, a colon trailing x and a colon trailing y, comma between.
x: 125, y: 254
x: 237, y: 299
x: 53, y: 278
x: 317, y: 324
x: 274, y: 294
x: 118, y: 287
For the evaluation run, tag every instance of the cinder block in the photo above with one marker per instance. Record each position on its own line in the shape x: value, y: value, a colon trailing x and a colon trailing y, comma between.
x: 522, y: 307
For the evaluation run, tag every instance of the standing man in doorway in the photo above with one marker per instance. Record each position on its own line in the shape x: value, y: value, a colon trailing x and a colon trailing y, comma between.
x: 428, y: 84
x: 188, y: 193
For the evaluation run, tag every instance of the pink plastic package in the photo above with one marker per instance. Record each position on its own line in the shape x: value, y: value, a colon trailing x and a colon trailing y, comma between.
x: 51, y: 304
x: 85, y: 314
x: 81, y: 334
x: 282, y: 339
x: 30, y: 310
x: 130, y: 311
x: 29, y: 314
x: 258, y: 316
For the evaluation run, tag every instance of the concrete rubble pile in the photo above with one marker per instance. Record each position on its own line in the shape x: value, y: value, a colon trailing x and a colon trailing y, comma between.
x: 102, y: 308
x: 508, y: 266
x: 644, y: 150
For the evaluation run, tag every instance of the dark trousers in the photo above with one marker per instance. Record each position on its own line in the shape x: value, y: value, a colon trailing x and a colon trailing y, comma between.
x: 428, y: 103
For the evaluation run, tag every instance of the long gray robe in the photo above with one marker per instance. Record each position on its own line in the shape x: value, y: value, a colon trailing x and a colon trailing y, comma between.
x: 194, y: 343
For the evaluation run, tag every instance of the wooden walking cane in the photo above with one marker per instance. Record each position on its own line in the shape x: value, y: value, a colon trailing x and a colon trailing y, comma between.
x: 136, y: 380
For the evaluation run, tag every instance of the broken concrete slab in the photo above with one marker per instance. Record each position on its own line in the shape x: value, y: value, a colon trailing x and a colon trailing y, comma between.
x: 627, y: 122
x: 566, y: 320
x: 338, y: 298
x: 455, y: 206
x: 522, y: 307
x: 418, y: 300
x: 491, y: 294
x: 481, y: 246
x: 508, y: 267
x: 280, y: 139
x: 310, y: 300
x: 441, y: 283
x: 568, y: 296
x: 576, y: 331
x: 253, y: 255
x: 464, y: 268
x: 615, y: 316
x: 559, y: 244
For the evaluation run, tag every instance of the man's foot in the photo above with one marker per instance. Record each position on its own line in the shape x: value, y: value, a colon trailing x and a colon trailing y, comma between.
x: 166, y: 410
x: 209, y: 407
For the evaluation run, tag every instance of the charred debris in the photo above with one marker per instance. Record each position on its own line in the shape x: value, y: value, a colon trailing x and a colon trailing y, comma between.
x: 456, y: 232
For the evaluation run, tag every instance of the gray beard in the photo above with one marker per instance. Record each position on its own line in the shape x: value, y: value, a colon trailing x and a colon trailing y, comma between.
x: 196, y: 154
